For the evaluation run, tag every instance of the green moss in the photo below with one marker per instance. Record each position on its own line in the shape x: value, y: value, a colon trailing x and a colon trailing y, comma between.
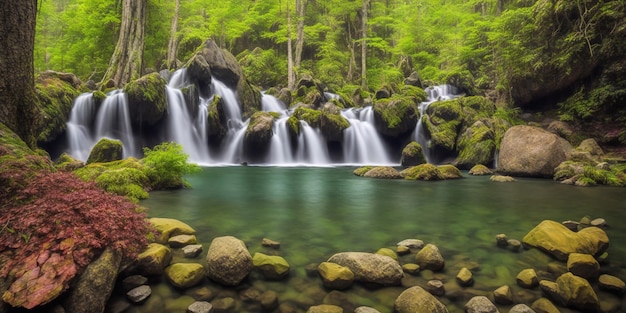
x: 442, y: 121
x: 412, y: 154
x: 250, y: 98
x: 56, y: 98
x: 147, y: 99
x: 476, y: 146
x: 332, y: 126
x: 475, y: 108
x: 449, y: 171
x: 480, y: 169
x: 106, y: 150
x: 67, y: 164
x: 423, y: 172
x: 418, y: 94
x: 293, y: 124
x: 397, y: 115
x: 129, y: 182
x: 361, y: 171
x: 311, y: 116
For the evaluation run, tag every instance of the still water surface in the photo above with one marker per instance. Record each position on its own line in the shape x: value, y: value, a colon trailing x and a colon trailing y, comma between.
x: 316, y: 212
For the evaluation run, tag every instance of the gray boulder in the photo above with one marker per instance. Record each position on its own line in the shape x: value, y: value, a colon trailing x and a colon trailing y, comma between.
x: 228, y: 261
x: 370, y: 267
x: 418, y: 300
x: 480, y: 304
x: 521, y: 308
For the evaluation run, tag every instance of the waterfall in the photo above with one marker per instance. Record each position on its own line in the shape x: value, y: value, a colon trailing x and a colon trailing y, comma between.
x: 182, y: 129
x: 281, y: 150
x: 435, y: 93
x: 312, y: 148
x: 362, y: 144
x: 79, y: 135
x: 270, y: 103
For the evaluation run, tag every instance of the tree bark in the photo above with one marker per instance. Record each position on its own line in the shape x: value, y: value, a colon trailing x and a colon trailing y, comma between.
x: 127, y: 60
x: 300, y: 8
x: 291, y: 77
x: 172, y: 47
x: 364, y: 45
x: 18, y: 109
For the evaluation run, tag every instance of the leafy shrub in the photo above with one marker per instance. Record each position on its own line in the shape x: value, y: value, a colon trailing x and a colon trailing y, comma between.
x: 128, y: 177
x: 167, y: 163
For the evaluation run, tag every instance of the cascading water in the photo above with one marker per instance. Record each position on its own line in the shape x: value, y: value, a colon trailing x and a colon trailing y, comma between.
x: 362, y: 143
x: 435, y: 93
x: 79, y: 135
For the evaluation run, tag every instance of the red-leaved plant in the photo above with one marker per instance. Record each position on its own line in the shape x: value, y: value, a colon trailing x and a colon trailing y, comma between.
x: 54, y: 227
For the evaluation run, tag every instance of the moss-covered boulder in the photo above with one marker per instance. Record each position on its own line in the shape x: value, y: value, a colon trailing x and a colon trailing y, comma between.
x: 332, y: 126
x: 476, y: 108
x: 310, y: 116
x: 169, y: 227
x: 258, y: 134
x: 127, y: 177
x: 559, y: 241
x: 418, y: 300
x: 442, y: 121
x: 361, y: 171
x: 335, y: 276
x: 412, y: 155
x: 272, y: 267
x: 583, y: 265
x: 575, y: 292
x: 223, y: 65
x: 250, y: 98
x: 154, y: 259
x: 147, y: 100
x: 56, y: 98
x: 418, y: 94
x: 67, y: 163
x: 217, y: 122
x: 106, y: 150
x: 395, y: 116
x: 384, y: 172
x: 480, y: 169
x: 476, y: 146
x: 450, y: 171
x: 293, y: 127
x: 185, y: 275
x: 422, y: 172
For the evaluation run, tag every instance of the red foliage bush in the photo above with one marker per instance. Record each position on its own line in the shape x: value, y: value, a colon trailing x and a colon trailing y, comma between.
x: 58, y: 219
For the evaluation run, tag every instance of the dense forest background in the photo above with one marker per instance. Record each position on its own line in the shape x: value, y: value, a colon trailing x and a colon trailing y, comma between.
x: 568, y: 55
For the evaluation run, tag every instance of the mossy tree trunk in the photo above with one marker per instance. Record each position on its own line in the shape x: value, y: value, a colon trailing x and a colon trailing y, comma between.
x: 18, y: 109
x: 127, y: 60
x: 172, y: 47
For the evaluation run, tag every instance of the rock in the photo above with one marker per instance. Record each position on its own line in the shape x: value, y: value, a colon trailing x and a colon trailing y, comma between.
x: 418, y: 300
x: 411, y: 268
x: 465, y: 278
x: 199, y: 72
x: 402, y: 250
x: 269, y: 300
x: 599, y: 222
x: 139, y: 294
x: 558, y: 241
x: 325, y: 308
x: 147, y: 100
x: 577, y: 293
x: 436, y: 287
x: 224, y: 305
x: 224, y: 65
x: 515, y: 244
x: 387, y: 252
x: 501, y: 240
x: 521, y: 308
x: 571, y: 225
x: 442, y: 121
x: 271, y: 266
x: 480, y: 304
x: 106, y: 150
x: 92, y: 289
x: 66, y: 163
x: 450, y: 171
x: 412, y: 155
x: 228, y: 261
x: 501, y: 178
x: 543, y: 305
x: 200, y: 307
x: 167, y: 227
x: 332, y: 126
x: 503, y: 295
x: 180, y: 241
x: 383, y: 93
x: 384, y: 172
x: 258, y: 134
x: 430, y: 258
x: 185, y: 275
x: 361, y: 171
x: 590, y: 145
x: 154, y: 259
x: 531, y: 151
x: 270, y: 243
x: 395, y: 116
x: 133, y: 281
x: 411, y: 243
x: 365, y: 309
x: 413, y: 80
x: 480, y: 169
x: 527, y: 278
x: 583, y: 265
x: 611, y: 284
x: 561, y: 128
x: 217, y: 120
x: 370, y: 267
x: 335, y: 276
x: 422, y: 172
x: 476, y: 145
x: 192, y: 251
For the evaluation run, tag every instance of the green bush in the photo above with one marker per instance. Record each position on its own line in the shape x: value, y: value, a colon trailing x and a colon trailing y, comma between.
x: 167, y: 163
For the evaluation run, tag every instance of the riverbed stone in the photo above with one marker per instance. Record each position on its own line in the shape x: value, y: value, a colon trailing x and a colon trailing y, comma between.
x: 402, y: 250
x: 480, y: 170
x: 180, y: 241
x: 365, y: 309
x: 411, y: 243
x: 480, y: 304
x: 325, y: 308
x: 577, y: 293
x: 200, y: 307
x: 436, y: 287
x: 425, y: 171
x: 418, y: 300
x: 168, y: 227
x: 228, y: 261
x: 133, y: 281
x: 465, y: 278
x: 599, y: 222
x: 583, y: 265
x: 154, y: 259
x: 266, y: 242
x: 515, y: 245
x: 612, y: 284
x: 410, y: 268
x: 501, y: 240
x: 544, y: 305
x: 387, y: 252
x: 557, y: 240
x: 269, y: 300
x: 335, y: 276
x: 370, y: 267
x: 521, y: 308
x: 226, y: 304
x: 139, y: 294
x: 503, y: 295
x: 527, y: 278
x: 383, y: 172
x: 272, y: 267
x: 430, y: 258
x: 185, y: 275
x: 192, y: 251
x: 501, y: 178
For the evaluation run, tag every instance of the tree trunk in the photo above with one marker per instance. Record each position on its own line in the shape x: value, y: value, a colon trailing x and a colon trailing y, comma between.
x: 364, y: 46
x: 291, y: 76
x: 127, y: 60
x: 18, y: 109
x: 300, y: 8
x: 172, y: 47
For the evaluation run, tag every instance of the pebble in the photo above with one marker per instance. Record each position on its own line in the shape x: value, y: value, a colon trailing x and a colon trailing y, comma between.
x: 139, y: 294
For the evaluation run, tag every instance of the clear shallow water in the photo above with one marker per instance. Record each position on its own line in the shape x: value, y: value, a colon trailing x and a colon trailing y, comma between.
x: 316, y: 212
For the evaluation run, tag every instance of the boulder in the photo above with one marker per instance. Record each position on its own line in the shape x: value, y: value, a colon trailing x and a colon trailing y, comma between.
x: 223, y: 65
x: 413, y: 80
x: 501, y: 178
x: 365, y: 309
x: 370, y: 267
x: 199, y: 73
x: 544, y: 305
x: 412, y: 155
x: 577, y: 293
x: 430, y: 258
x: 583, y: 265
x: 521, y: 308
x: 265, y: 242
x: 147, y: 100
x: 168, y: 227
x: 92, y: 289
x: 180, y: 241
x: 387, y: 252
x: 422, y: 172
x: 442, y: 121
x: 325, y: 308
x: 590, y: 145
x: 531, y: 151
x: 258, y: 134
x: 558, y: 241
x: 611, y: 284
x: 418, y: 300
x: 480, y: 169
x: 185, y: 275
x: 106, y: 150
x: 395, y: 116
x: 269, y: 300
x: 503, y: 295
x: 411, y: 243
x: 133, y: 281
x: 332, y: 126
x: 464, y: 278
x: 271, y: 266
x: 527, y: 278
x: 154, y: 259
x: 410, y: 268
x: 228, y: 261
x: 335, y: 276
x: 476, y: 146
x: 56, y: 93
x: 449, y: 171
x: 361, y: 171
x: 480, y: 304
x: 383, y: 172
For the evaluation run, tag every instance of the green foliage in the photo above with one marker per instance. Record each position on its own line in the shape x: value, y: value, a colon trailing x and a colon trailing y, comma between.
x: 167, y: 163
x: 128, y: 177
x: 264, y: 67
x: 310, y: 116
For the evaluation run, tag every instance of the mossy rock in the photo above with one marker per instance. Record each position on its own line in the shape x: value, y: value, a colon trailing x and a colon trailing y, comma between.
x: 332, y: 126
x: 169, y: 227
x: 395, y: 116
x: 310, y: 116
x: 476, y: 146
x: 384, y: 172
x: 272, y: 267
x: 185, y: 275
x: 66, y: 163
x: 154, y: 259
x: 475, y: 108
x: 309, y: 91
x: 418, y: 94
x: 480, y: 169
x: 147, y: 100
x: 293, y: 126
x: 56, y: 98
x: 361, y: 171
x: 259, y: 133
x: 423, y: 172
x: 250, y: 98
x: 106, y: 150
x: 412, y: 155
x: 450, y: 171
x: 567, y: 170
x: 442, y: 121
x: 217, y: 121
x: 126, y: 177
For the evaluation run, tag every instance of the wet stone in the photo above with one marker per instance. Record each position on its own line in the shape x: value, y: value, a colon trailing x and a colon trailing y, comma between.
x: 501, y: 240
x: 435, y: 287
x: 192, y: 251
x: 270, y: 243
x: 571, y: 225
x: 139, y: 294
x: 200, y: 307
x: 133, y: 281
x: 599, y: 222
x: 515, y: 245
x: 612, y: 284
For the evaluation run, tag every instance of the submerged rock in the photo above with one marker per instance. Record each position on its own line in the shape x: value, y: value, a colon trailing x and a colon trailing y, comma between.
x: 139, y: 294
x: 335, y: 276
x: 185, y: 275
x: 430, y: 258
x: 228, y: 261
x: 370, y: 267
x: 423, y: 172
x: 480, y: 304
x: 480, y: 169
x: 558, y: 241
x: 418, y: 300
x: 612, y: 284
x: 154, y: 259
x: 271, y: 266
x: 168, y: 227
